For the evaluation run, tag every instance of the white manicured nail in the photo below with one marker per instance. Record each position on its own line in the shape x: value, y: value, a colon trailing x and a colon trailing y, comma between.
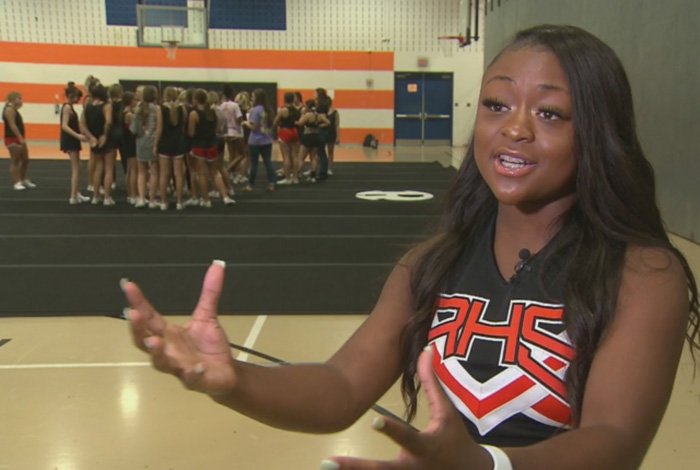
x: 378, y: 423
x: 148, y: 342
x: 125, y: 313
x: 329, y: 465
x: 199, y: 369
x: 122, y: 284
x: 219, y: 262
x: 428, y: 348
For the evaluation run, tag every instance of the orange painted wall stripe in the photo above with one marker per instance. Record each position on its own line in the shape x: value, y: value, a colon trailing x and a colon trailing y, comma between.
x: 35, y: 92
x: 350, y: 99
x: 344, y: 99
x: 40, y: 53
x: 347, y: 135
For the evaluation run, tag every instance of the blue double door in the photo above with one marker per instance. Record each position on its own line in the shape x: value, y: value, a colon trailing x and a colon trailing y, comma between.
x: 423, y: 108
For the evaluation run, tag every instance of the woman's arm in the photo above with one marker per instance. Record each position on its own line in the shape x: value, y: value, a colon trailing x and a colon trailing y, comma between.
x: 337, y: 127
x: 107, y: 113
x: 281, y: 114
x: 11, y: 120
x: 65, y: 120
x: 632, y: 374
x: 159, y: 129
x: 316, y: 398
x: 192, y: 126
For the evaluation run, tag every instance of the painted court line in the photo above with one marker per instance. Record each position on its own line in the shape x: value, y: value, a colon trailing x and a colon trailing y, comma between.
x: 191, y: 265
x: 73, y: 365
x: 209, y: 236
x: 225, y: 215
x: 252, y: 337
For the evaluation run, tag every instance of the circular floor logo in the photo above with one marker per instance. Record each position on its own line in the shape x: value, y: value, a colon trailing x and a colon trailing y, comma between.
x: 396, y: 196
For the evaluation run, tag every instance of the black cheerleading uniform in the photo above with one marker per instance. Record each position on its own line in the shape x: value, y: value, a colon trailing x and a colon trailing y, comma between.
x: 127, y: 146
x: 310, y: 138
x: 116, y: 130
x: 500, y: 346
x: 68, y: 142
x: 19, y: 122
x: 95, y: 122
x: 331, y: 132
x: 172, y: 141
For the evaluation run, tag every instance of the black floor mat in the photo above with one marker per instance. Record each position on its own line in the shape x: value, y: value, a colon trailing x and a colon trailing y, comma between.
x: 312, y: 248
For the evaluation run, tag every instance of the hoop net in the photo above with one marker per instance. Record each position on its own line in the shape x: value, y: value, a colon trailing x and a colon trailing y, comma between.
x: 446, y: 45
x: 171, y: 48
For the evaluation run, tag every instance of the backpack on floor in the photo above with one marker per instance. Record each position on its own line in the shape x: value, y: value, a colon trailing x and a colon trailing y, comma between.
x: 370, y: 141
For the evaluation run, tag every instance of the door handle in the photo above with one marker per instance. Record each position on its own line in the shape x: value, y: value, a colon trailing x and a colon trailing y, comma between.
x: 438, y: 116
x: 408, y: 116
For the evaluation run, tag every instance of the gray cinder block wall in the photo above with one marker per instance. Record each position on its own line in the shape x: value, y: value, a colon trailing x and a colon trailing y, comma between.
x: 659, y: 45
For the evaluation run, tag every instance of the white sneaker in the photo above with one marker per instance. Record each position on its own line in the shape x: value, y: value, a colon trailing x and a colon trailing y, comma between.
x: 179, y: 206
x: 285, y: 182
x: 205, y: 204
x: 306, y: 173
x: 19, y: 186
x: 90, y: 188
x: 28, y: 184
x: 295, y: 181
x: 82, y: 198
x: 74, y: 201
x: 140, y: 204
x: 96, y: 201
x: 330, y: 172
x: 232, y: 192
x: 114, y: 185
x: 213, y: 193
x: 163, y: 206
x: 153, y: 205
x: 228, y: 201
x: 109, y: 202
x: 102, y: 191
x: 192, y: 202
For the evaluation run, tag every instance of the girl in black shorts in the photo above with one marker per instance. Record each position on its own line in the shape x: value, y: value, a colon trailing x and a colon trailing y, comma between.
x: 96, y: 121
x: 171, y: 147
x: 71, y: 138
x: 310, y: 140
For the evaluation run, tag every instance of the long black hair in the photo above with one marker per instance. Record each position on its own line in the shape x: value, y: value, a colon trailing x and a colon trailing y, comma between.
x: 615, y: 207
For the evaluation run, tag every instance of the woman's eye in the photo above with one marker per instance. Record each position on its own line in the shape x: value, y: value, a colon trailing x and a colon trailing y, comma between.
x: 549, y: 115
x: 495, y: 106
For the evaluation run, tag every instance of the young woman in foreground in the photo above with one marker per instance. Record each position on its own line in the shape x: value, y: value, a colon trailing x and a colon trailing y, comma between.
x: 552, y: 303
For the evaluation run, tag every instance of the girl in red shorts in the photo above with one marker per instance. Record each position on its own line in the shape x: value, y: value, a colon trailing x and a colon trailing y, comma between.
x: 288, y: 135
x: 203, y: 123
x: 15, y: 142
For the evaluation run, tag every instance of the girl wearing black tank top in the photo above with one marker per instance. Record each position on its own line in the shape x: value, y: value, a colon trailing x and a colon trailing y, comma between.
x: 15, y: 142
x: 288, y: 135
x: 202, y: 125
x: 71, y: 137
x: 96, y: 121
x: 171, y: 148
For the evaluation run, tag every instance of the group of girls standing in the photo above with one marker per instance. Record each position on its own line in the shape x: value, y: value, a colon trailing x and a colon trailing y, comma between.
x: 178, y: 144
x: 309, y: 129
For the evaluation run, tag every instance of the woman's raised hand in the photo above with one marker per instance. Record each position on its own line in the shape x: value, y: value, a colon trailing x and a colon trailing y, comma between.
x: 198, y: 353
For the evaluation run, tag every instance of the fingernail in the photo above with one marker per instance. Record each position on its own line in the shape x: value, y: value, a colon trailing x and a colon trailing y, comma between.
x: 199, y: 369
x: 125, y: 313
x: 122, y: 284
x: 428, y: 348
x: 329, y: 465
x: 219, y: 262
x: 378, y: 423
x: 148, y: 342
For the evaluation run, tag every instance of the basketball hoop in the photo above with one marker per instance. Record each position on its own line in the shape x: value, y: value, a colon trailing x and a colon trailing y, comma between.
x: 447, y: 48
x: 171, y: 48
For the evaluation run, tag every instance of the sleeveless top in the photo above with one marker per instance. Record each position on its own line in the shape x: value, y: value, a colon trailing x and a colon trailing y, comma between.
x: 292, y: 117
x: 205, y: 132
x: 500, y: 346
x: 172, y: 142
x: 67, y: 141
x: 18, y: 121
x: 312, y: 127
x: 95, y: 119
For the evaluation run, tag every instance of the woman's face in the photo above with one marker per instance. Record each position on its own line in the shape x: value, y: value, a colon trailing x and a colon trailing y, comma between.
x: 17, y: 102
x: 524, y: 132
